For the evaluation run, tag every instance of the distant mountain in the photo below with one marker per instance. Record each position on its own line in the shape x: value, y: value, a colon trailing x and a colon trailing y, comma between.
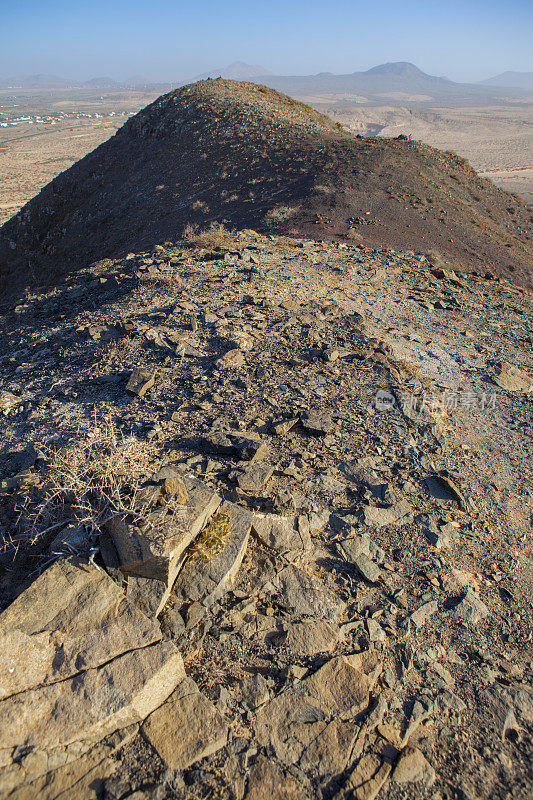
x: 238, y: 71
x: 520, y: 80
x: 137, y: 80
x: 402, y: 69
x: 397, y: 81
x: 104, y: 83
x: 40, y: 81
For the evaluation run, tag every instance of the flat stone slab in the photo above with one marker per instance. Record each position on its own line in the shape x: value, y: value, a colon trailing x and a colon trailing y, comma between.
x: 317, y: 423
x: 284, y: 534
x: 513, y: 379
x: 66, y: 772
x: 399, y: 514
x: 73, y: 617
x: 254, y: 476
x: 91, y: 704
x: 295, y: 722
x: 212, y: 566
x: 308, y: 638
x: 186, y: 728
x: 158, y: 551
x: 266, y: 781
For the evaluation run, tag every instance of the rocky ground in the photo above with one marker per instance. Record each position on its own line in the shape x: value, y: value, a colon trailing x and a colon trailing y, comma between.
x: 314, y: 578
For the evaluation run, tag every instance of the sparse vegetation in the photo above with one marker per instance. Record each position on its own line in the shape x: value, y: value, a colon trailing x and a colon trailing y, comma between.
x: 216, y: 235
x: 212, y: 539
x: 280, y: 214
x: 93, y: 478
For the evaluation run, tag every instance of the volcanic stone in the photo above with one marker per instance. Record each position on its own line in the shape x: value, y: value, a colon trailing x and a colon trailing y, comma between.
x: 140, y: 381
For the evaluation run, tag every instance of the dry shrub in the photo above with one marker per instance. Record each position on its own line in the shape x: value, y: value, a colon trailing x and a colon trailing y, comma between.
x: 199, y: 205
x: 435, y: 258
x: 88, y: 482
x: 280, y: 214
x: 216, y: 235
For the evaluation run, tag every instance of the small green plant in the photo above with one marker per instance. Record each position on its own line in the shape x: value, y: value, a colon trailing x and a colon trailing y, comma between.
x: 213, y: 538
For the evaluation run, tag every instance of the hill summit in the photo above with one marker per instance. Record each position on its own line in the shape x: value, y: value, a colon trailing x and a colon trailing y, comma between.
x: 248, y: 156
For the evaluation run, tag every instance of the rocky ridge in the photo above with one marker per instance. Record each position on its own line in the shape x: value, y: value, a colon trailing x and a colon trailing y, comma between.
x: 244, y: 154
x: 321, y: 586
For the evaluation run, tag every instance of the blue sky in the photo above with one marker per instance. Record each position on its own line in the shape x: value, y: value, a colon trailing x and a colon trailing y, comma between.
x: 165, y: 40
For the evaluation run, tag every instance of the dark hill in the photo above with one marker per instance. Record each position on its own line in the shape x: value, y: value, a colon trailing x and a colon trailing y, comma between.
x: 237, y: 152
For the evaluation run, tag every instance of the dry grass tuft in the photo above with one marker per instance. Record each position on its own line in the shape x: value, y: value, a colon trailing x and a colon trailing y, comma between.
x: 216, y: 235
x: 88, y: 482
x: 280, y: 214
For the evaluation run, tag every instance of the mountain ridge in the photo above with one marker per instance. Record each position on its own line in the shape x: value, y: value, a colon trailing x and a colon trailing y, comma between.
x: 247, y: 156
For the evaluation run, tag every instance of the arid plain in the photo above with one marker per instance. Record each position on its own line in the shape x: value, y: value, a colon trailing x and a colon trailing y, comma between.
x: 55, y: 128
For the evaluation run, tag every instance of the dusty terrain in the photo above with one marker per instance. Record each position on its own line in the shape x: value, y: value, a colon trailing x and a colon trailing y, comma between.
x: 497, y: 140
x: 221, y: 150
x: 33, y: 151
x: 372, y: 636
x: 266, y: 497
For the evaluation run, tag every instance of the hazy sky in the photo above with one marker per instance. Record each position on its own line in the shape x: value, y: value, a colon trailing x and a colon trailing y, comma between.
x: 174, y: 40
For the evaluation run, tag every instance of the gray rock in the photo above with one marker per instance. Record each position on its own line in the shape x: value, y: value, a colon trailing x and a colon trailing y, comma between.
x: 305, y: 596
x: 375, y: 632
x: 292, y: 722
x: 72, y: 617
x: 513, y: 379
x: 399, y: 514
x: 317, y: 423
x: 254, y: 691
x: 266, y: 781
x: 367, y: 568
x: 284, y: 534
x: 140, y: 381
x: 231, y: 359
x: 422, y: 614
x: 471, y: 609
x: 186, y: 728
x: 367, y: 779
x: 253, y: 477
x: 244, y: 446
x: 309, y: 638
x: 355, y: 546
x: 284, y: 426
x: 93, y: 703
x: 413, y: 767
x: 146, y: 593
